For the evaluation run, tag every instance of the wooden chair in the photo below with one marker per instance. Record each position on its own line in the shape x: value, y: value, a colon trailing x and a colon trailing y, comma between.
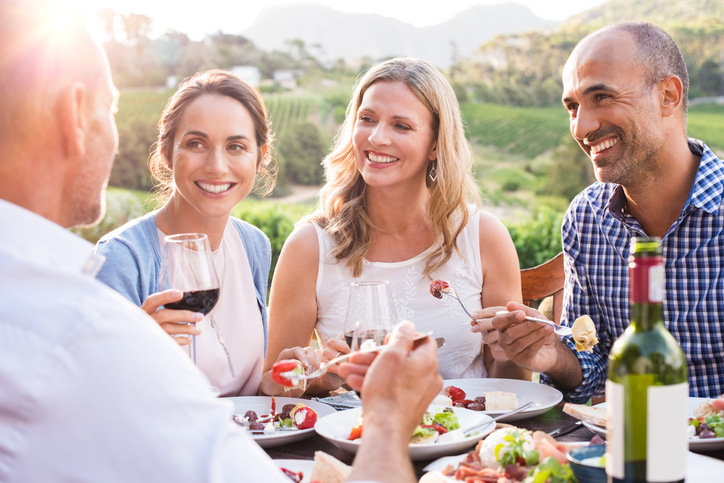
x: 543, y: 281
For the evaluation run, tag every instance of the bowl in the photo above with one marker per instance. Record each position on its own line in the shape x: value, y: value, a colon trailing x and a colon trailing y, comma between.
x: 585, y: 471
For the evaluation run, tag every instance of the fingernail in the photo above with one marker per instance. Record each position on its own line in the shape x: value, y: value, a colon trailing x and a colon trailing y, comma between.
x: 475, y: 328
x: 198, y: 316
x: 177, y: 293
x: 197, y: 332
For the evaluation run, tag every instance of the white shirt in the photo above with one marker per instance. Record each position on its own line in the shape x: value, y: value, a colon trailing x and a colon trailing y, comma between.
x: 89, y: 389
x: 238, y: 317
x: 461, y: 356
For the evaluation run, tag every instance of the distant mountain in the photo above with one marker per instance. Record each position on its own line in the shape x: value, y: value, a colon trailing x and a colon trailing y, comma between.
x: 663, y: 13
x: 355, y: 36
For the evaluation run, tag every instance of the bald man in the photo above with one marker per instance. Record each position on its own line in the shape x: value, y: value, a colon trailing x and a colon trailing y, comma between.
x: 91, y: 389
x: 625, y: 88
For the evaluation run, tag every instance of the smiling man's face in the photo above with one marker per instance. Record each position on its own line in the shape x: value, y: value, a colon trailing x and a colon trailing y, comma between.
x: 614, y: 116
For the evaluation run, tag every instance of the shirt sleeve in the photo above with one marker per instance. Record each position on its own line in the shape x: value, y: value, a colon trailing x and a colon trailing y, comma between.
x: 578, y: 300
x: 121, y: 271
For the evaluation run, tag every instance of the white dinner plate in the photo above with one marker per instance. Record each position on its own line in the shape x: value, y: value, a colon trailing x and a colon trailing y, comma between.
x: 335, y: 428
x: 262, y: 405
x: 543, y: 397
x: 709, y: 444
x: 699, y: 468
x: 305, y: 466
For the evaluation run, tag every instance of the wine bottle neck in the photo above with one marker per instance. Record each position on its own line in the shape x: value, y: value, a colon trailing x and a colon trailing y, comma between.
x: 646, y: 316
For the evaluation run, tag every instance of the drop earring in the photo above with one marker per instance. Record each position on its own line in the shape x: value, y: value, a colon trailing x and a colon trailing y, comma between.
x: 432, y: 172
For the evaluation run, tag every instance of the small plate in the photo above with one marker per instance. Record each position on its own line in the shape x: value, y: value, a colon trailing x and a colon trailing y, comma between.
x: 710, y: 444
x: 262, y: 405
x: 543, y: 397
x: 335, y: 428
x: 305, y: 466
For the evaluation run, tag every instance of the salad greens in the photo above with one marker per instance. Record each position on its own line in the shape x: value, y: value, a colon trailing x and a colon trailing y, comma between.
x: 551, y: 471
x: 514, y: 450
x: 448, y: 419
x: 716, y: 422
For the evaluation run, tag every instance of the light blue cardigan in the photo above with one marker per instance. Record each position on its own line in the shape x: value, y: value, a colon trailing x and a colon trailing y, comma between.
x: 133, y: 260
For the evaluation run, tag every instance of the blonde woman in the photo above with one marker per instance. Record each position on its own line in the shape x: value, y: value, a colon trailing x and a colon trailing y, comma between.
x: 400, y: 204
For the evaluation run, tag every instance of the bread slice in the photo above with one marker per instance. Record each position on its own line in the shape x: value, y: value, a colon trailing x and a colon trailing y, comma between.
x: 705, y: 409
x: 587, y: 414
x: 500, y: 401
x: 328, y: 469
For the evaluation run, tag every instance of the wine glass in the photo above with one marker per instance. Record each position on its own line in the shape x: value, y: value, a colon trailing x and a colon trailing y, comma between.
x: 370, y: 314
x: 187, y: 266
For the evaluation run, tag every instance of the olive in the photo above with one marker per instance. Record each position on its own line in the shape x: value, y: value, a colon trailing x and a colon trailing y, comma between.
x: 476, y: 406
x: 251, y: 416
x: 256, y: 426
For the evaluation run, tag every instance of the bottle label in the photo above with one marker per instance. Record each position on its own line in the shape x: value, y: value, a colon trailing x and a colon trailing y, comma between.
x: 656, y: 283
x: 666, y: 440
x: 668, y: 443
x: 646, y: 280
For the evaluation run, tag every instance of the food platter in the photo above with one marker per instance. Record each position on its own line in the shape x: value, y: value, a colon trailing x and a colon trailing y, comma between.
x: 699, y: 468
x: 543, y: 397
x: 262, y: 404
x: 709, y: 444
x: 335, y: 428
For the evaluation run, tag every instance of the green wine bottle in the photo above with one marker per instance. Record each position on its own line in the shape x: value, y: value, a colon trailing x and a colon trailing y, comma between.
x: 647, y: 390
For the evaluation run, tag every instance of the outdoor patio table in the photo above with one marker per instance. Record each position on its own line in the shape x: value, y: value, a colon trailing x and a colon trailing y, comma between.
x: 548, y: 421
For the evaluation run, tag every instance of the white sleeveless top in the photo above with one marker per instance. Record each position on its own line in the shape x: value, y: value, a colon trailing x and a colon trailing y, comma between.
x: 238, y: 317
x: 461, y: 356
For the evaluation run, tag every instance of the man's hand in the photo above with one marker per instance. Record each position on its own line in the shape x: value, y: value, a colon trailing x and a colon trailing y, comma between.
x: 397, y: 385
x: 532, y: 345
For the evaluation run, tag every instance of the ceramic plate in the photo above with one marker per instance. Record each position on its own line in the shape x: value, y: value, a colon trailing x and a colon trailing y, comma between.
x: 336, y: 427
x: 262, y: 405
x: 543, y: 397
x: 305, y: 466
x: 699, y: 468
x: 709, y: 444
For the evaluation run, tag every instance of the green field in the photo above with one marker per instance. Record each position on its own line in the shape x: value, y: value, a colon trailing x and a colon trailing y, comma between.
x: 706, y: 122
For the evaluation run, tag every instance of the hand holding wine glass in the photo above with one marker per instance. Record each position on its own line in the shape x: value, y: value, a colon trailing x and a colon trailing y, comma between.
x: 370, y: 314
x: 187, y: 266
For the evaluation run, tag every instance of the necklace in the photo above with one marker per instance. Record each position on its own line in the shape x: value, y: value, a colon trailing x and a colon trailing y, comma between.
x: 214, y: 323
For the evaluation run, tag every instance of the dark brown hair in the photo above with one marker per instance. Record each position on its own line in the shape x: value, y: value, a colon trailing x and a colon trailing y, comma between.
x: 222, y: 83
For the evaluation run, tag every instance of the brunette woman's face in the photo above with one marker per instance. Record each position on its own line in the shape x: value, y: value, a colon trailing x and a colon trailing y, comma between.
x: 393, y: 139
x: 215, y: 155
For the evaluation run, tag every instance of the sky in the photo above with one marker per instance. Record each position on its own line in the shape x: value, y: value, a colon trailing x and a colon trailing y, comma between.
x: 197, y: 18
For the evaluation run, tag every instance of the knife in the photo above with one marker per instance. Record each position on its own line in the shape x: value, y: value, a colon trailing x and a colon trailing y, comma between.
x: 565, y: 429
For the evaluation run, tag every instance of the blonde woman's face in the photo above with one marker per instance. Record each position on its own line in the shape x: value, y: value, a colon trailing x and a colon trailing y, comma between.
x: 214, y: 156
x: 393, y: 139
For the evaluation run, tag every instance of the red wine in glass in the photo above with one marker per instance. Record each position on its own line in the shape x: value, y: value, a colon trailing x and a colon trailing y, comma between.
x: 196, y: 301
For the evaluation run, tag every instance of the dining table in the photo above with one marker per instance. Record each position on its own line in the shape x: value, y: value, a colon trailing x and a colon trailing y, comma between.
x: 549, y: 421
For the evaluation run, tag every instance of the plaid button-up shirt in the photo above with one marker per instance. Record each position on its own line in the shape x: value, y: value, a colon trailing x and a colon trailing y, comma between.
x: 597, y: 233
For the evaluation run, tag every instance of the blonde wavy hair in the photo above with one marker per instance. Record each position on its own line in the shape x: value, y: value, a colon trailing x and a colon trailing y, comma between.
x: 223, y: 83
x: 343, y: 211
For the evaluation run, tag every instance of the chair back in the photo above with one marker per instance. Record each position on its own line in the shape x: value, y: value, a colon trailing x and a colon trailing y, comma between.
x: 543, y: 281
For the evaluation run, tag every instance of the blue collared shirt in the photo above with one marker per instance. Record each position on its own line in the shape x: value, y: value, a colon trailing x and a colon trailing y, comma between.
x: 597, y: 232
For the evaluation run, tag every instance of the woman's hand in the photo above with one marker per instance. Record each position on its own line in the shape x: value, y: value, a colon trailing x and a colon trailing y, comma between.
x: 310, y: 358
x: 176, y: 323
x: 335, y: 348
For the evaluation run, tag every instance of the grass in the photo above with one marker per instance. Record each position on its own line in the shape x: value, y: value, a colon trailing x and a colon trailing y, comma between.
x: 706, y: 122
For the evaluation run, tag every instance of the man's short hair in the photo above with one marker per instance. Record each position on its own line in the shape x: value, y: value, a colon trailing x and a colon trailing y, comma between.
x: 44, y: 46
x: 659, y: 55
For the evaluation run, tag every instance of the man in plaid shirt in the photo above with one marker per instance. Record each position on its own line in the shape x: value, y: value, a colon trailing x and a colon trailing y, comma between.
x: 625, y: 89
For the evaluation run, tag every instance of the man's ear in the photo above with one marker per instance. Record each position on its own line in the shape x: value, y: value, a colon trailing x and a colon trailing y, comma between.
x: 672, y: 95
x: 74, y: 124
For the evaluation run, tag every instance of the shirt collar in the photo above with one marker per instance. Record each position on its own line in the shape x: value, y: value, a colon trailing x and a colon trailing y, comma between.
x: 706, y: 191
x: 34, y: 237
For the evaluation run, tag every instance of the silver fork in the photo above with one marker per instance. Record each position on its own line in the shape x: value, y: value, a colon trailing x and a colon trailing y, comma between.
x: 560, y: 330
x: 312, y: 375
x: 449, y: 291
